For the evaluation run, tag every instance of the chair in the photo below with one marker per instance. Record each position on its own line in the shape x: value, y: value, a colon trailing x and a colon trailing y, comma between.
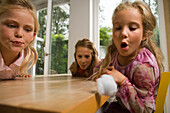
x: 162, y: 91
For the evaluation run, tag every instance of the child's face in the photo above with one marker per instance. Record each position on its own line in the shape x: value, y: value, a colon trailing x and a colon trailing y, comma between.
x: 16, y: 30
x: 83, y: 57
x: 128, y: 32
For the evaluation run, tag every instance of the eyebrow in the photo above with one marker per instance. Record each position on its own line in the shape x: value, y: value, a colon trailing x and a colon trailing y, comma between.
x: 10, y: 20
x: 13, y: 21
x: 134, y: 22
x: 116, y: 22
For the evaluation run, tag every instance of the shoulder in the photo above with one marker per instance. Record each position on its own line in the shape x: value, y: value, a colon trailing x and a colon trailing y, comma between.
x: 145, y: 64
x: 146, y: 57
x: 73, y: 67
x: 73, y: 64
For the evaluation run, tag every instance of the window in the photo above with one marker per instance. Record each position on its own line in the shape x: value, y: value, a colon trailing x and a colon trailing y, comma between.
x: 59, y: 40
x: 106, y: 8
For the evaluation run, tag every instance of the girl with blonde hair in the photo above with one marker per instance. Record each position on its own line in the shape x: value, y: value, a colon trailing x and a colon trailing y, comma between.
x: 133, y: 59
x: 18, y: 28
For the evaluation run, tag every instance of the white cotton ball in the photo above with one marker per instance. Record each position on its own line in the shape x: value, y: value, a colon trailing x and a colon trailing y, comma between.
x: 106, y: 85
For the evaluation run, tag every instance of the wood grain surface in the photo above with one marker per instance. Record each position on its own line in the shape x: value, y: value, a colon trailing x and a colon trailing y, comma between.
x: 49, y: 94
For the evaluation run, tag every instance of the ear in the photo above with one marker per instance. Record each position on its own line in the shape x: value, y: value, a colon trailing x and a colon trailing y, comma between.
x: 34, y: 35
x: 145, y: 36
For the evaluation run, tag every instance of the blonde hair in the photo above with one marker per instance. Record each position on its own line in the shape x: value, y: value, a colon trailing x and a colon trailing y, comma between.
x: 149, y: 24
x: 30, y: 53
x: 87, y: 44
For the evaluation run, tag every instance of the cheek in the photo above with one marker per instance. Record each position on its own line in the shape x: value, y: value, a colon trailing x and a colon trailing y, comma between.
x: 115, y: 41
x: 78, y: 61
x: 138, y: 33
x: 90, y: 60
x: 115, y: 36
x: 116, y: 33
x: 137, y: 38
x: 29, y: 38
x: 4, y: 33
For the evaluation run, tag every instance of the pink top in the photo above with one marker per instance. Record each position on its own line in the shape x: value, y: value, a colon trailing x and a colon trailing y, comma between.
x: 10, y: 72
x: 138, y: 93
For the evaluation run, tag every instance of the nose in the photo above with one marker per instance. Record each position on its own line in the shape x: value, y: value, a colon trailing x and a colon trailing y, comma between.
x: 124, y: 33
x: 18, y: 33
x: 83, y: 60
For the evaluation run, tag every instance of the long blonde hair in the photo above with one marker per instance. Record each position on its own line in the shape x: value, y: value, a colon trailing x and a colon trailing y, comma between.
x: 87, y: 44
x: 29, y: 52
x: 149, y: 24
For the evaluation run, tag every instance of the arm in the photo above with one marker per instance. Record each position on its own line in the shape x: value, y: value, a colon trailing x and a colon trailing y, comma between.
x: 97, y: 67
x: 138, y: 95
x: 95, y: 71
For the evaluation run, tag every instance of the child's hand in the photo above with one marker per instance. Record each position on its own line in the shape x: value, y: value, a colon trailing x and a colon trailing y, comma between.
x: 25, y: 76
x: 106, y: 85
x: 118, y: 77
x: 28, y: 76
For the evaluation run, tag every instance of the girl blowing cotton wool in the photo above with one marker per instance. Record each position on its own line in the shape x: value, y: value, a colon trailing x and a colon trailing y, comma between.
x: 18, y: 28
x: 132, y: 59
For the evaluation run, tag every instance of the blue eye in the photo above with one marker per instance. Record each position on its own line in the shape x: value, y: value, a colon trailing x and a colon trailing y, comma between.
x: 11, y: 26
x: 28, y: 30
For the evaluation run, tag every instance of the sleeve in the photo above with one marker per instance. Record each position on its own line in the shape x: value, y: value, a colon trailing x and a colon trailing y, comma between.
x: 139, y: 95
x: 97, y: 67
x: 95, y: 71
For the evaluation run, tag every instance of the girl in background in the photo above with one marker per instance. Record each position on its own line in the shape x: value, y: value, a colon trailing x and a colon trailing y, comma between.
x: 133, y: 59
x: 18, y: 28
x: 86, y: 57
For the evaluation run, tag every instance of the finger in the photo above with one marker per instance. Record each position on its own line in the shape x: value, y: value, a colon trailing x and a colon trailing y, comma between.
x: 105, y: 72
x: 110, y: 67
x: 29, y: 75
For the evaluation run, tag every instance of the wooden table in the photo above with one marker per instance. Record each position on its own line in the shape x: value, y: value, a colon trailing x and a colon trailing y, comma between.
x: 49, y: 94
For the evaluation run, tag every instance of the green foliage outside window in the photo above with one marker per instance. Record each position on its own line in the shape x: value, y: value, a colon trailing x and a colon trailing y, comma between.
x: 105, y: 38
x: 59, y: 44
x: 59, y: 52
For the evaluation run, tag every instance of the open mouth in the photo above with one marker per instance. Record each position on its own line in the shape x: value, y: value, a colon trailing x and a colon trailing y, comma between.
x: 123, y: 45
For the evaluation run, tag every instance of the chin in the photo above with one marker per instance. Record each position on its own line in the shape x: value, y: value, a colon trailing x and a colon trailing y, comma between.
x: 83, y: 68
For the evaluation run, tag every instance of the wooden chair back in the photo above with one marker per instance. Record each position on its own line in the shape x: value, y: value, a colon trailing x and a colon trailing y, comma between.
x: 162, y: 91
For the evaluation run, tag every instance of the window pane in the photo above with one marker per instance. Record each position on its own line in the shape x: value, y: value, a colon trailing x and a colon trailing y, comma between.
x: 59, y: 40
x: 59, y: 45
x: 42, y: 18
x: 106, y: 8
x: 154, y: 8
